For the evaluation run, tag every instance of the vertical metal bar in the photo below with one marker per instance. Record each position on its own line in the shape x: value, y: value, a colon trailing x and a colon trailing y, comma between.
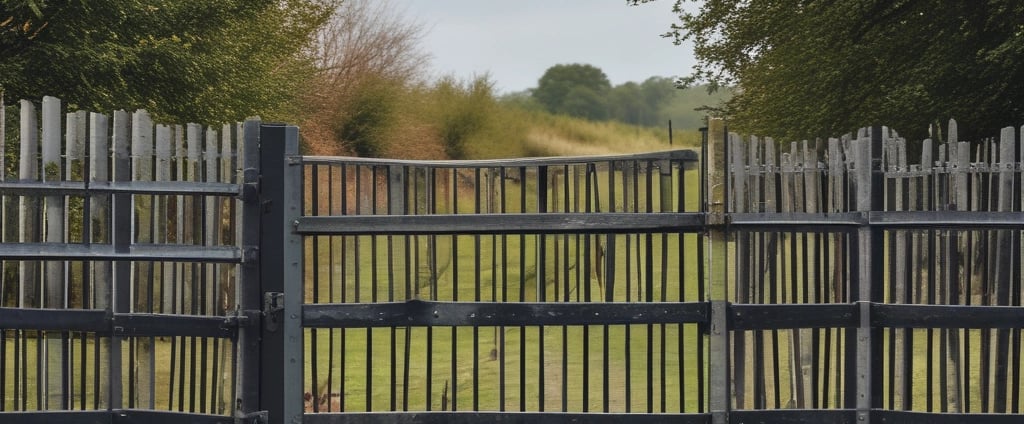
x: 121, y: 228
x: 395, y: 206
x: 3, y: 334
x: 522, y: 292
x: 504, y: 294
x: 373, y: 291
x: 247, y: 288
x: 869, y: 276
x: 314, y: 385
x: 588, y: 198
x: 665, y: 197
x: 281, y: 250
x: 649, y: 282
x: 453, y: 372
x: 716, y: 266
x: 343, y: 281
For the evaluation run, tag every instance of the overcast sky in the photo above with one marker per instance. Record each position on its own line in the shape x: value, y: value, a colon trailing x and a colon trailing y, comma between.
x: 517, y: 40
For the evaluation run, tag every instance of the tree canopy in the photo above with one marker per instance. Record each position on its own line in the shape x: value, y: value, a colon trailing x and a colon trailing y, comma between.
x: 574, y: 89
x: 207, y: 60
x: 812, y: 68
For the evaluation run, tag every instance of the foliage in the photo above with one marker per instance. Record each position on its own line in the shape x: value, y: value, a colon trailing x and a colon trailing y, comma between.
x: 688, y: 107
x: 363, y: 123
x: 367, y: 60
x: 209, y: 60
x: 583, y: 91
x: 522, y: 100
x: 574, y: 89
x: 464, y: 109
x: 822, y: 68
x: 643, y: 103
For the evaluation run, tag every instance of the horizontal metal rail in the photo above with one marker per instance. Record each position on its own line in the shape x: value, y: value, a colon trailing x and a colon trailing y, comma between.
x: 501, y: 417
x: 788, y: 316
x: 103, y: 323
x: 107, y: 252
x: 953, y: 220
x: 115, y: 416
x: 946, y: 316
x: 670, y: 155
x: 911, y: 417
x: 416, y: 313
x: 840, y: 416
x: 687, y: 222
x: 742, y: 317
x: 80, y: 188
x: 526, y: 223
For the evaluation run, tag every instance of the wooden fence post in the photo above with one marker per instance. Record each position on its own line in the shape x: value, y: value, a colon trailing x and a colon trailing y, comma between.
x: 1004, y: 266
x: 53, y: 296
x: 719, y: 396
x: 143, y: 278
x: 98, y: 231
x: 28, y: 169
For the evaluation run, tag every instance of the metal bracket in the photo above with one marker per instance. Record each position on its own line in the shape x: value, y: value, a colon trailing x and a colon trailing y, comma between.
x: 258, y: 417
x: 250, y: 185
x: 241, y: 318
x: 250, y: 254
x: 273, y: 305
x: 716, y: 219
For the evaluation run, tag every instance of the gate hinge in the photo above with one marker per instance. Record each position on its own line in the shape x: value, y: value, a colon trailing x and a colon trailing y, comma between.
x: 273, y: 305
x: 258, y: 417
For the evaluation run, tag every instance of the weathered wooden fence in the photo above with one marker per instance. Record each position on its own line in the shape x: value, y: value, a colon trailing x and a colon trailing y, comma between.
x: 121, y: 259
x: 929, y: 251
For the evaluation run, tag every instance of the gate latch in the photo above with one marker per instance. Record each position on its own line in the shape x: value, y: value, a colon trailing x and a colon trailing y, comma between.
x: 273, y: 305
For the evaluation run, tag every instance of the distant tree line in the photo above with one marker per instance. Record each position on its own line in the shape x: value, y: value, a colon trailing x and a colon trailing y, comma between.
x: 584, y: 91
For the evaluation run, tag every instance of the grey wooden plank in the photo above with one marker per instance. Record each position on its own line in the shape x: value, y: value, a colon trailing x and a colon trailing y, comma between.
x: 28, y: 206
x: 54, y: 284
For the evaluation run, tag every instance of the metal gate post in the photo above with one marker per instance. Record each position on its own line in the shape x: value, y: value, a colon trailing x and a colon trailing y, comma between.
x: 869, y: 279
x: 719, y: 394
x: 248, y: 290
x: 281, y: 346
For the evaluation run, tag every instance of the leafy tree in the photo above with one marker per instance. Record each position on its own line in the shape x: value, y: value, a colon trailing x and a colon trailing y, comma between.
x: 807, y: 68
x: 574, y: 89
x: 584, y: 102
x: 644, y: 103
x: 626, y: 103
x: 464, y: 109
x: 368, y: 112
x: 208, y: 60
x: 367, y: 58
